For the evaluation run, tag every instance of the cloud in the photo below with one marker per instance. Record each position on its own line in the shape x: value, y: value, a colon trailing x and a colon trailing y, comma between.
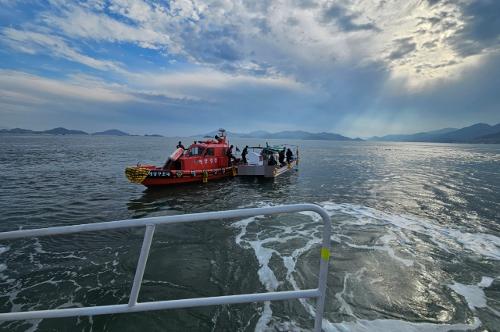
x: 45, y: 90
x: 318, y: 65
x: 206, y: 84
x: 403, y: 47
x: 272, y: 38
x: 481, y: 28
x: 75, y: 21
x: 469, y: 98
x: 40, y: 43
x: 345, y: 20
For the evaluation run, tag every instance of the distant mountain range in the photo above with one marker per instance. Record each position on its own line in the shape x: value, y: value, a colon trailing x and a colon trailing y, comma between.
x: 61, y: 131
x: 491, y: 138
x: 297, y: 134
x: 422, y: 136
x: 64, y: 131
x: 477, y: 133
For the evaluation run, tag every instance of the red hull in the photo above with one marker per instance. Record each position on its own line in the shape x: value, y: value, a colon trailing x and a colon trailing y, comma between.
x: 152, y: 176
x: 166, y: 181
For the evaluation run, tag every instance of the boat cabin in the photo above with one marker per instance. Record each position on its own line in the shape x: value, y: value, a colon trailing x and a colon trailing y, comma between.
x: 202, y: 155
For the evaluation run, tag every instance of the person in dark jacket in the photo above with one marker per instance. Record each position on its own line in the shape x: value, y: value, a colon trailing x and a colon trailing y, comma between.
x: 289, y: 155
x: 281, y: 157
x: 180, y: 146
x: 272, y: 160
x: 229, y: 154
x: 244, y: 154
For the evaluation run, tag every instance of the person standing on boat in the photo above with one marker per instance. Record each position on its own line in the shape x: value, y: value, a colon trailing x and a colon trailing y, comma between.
x: 229, y: 154
x: 180, y: 146
x: 244, y: 154
x: 289, y: 155
x: 219, y: 139
x: 281, y: 157
x: 272, y: 160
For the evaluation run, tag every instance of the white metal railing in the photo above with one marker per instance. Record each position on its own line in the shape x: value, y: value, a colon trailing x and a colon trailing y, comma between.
x: 150, y: 224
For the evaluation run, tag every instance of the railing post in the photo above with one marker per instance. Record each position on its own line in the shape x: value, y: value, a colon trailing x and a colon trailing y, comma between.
x: 141, y: 265
x: 323, y: 270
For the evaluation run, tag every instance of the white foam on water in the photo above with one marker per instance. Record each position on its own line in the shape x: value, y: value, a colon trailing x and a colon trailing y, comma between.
x: 485, y: 282
x: 364, y: 219
x: 386, y: 247
x: 398, y: 231
x: 38, y: 247
x: 265, y: 317
x: 313, y: 215
x: 446, y: 238
x: 3, y: 267
x: 394, y: 325
x: 344, y: 306
x: 383, y: 325
x: 263, y: 254
x: 474, y: 294
x: 266, y: 275
x: 242, y: 225
x: 4, y: 249
x: 34, y: 325
x: 288, y: 326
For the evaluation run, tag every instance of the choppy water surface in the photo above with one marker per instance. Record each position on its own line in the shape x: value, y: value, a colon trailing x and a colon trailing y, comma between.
x: 416, y: 237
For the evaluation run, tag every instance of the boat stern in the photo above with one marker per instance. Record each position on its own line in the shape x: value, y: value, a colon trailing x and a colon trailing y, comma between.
x: 137, y: 174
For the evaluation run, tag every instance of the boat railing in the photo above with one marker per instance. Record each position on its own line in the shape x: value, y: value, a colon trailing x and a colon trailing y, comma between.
x: 150, y: 224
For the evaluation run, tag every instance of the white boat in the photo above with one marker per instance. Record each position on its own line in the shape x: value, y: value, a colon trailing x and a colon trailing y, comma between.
x: 269, y: 161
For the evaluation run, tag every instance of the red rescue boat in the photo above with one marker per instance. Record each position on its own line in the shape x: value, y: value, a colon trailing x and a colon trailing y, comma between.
x: 203, y: 161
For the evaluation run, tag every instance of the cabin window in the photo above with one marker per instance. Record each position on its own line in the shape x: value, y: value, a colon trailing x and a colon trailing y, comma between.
x: 195, y: 151
x: 210, y: 152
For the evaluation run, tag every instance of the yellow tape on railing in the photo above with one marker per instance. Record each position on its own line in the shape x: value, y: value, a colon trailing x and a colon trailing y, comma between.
x: 325, y: 254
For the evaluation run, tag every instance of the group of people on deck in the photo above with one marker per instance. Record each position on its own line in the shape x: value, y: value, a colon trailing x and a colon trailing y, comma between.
x: 282, y: 155
x: 285, y: 153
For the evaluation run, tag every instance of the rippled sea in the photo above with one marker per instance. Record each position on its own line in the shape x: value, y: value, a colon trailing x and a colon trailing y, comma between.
x: 415, y: 244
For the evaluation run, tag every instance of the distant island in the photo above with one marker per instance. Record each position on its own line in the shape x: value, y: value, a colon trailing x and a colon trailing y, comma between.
x: 477, y: 133
x: 64, y: 131
x: 111, y: 132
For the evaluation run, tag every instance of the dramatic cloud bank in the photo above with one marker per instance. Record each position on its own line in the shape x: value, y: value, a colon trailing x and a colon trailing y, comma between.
x: 356, y: 67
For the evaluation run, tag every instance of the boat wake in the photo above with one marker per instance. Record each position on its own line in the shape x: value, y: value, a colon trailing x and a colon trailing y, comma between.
x: 390, y: 268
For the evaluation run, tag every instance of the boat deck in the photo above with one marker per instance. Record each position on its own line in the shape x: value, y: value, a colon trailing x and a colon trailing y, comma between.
x: 267, y: 171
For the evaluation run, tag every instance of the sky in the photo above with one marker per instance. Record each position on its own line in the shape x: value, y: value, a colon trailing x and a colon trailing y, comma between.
x: 358, y: 68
